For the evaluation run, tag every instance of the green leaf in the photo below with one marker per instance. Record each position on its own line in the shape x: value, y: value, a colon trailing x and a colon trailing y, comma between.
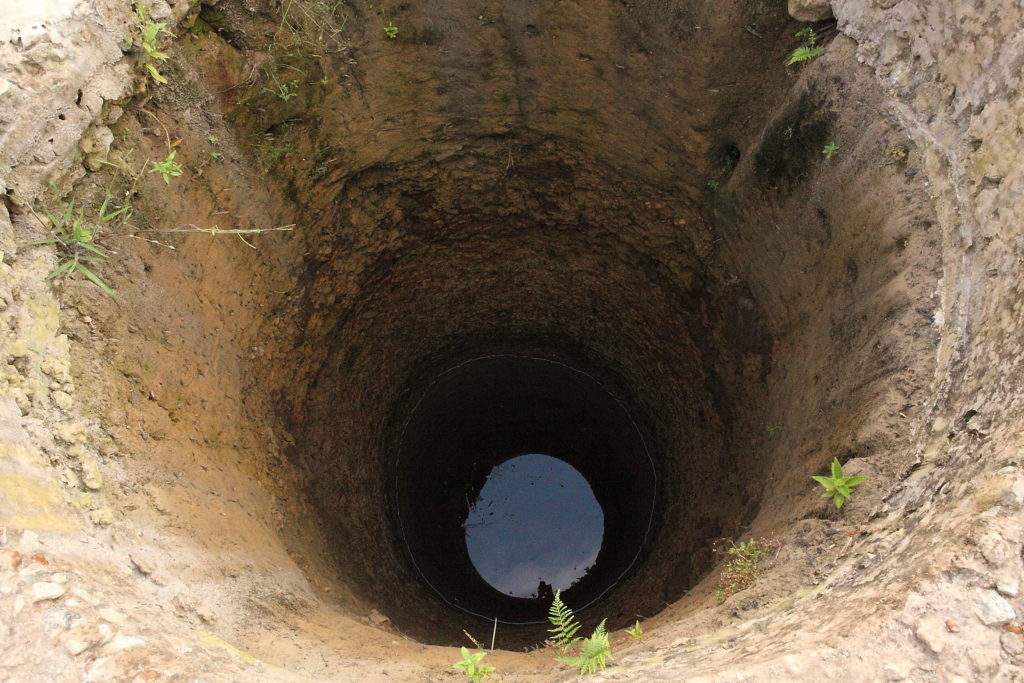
x: 824, y: 481
x: 155, y: 74
x: 853, y: 481
x: 62, y: 268
x: 98, y: 282
x: 96, y: 250
x: 837, y: 469
x: 565, y: 624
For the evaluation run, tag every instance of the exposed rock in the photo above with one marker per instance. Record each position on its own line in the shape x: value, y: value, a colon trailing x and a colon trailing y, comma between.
x: 143, y: 564
x: 45, y: 590
x: 10, y: 559
x: 85, y: 635
x: 810, y: 10
x: 102, y: 516
x: 1012, y: 643
x: 60, y: 617
x: 62, y: 400
x: 71, y: 432
x: 92, y: 477
x: 204, y: 612
x: 933, y: 633
x: 992, y: 608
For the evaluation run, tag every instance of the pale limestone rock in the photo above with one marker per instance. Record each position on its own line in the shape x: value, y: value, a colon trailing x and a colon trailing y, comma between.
x: 46, y: 590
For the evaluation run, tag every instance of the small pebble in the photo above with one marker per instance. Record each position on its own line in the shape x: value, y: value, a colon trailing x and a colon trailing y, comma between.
x: 45, y: 590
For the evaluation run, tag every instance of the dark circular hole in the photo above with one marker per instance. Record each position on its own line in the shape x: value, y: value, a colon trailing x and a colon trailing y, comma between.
x: 548, y: 421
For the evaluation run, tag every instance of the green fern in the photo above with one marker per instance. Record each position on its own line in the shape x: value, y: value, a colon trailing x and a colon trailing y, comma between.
x: 563, y: 635
x: 594, y: 654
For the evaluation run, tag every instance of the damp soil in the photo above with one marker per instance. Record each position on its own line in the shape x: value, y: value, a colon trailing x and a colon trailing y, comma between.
x: 528, y: 184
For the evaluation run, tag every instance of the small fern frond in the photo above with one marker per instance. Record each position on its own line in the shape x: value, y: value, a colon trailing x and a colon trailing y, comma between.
x: 563, y: 635
x: 594, y: 654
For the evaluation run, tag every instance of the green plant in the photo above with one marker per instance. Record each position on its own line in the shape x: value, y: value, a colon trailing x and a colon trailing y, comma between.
x: 636, y: 631
x: 594, y: 652
x: 830, y: 150
x: 838, y: 487
x: 563, y: 635
x: 807, y: 52
x: 286, y: 91
x: 391, y: 31
x: 167, y: 168
x: 73, y: 237
x: 470, y: 664
x: 743, y: 569
x: 713, y: 184
x: 148, y: 39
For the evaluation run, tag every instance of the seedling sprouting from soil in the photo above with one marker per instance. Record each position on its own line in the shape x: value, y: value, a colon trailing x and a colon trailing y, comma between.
x: 594, y: 651
x: 636, y: 631
x: 470, y: 664
x: 148, y: 39
x: 73, y: 236
x: 838, y: 487
x: 807, y: 52
x: 744, y: 567
x: 167, y: 168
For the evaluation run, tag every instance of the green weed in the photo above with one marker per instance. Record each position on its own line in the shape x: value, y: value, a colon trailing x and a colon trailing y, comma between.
x: 743, y: 569
x: 807, y: 52
x: 594, y: 651
x: 636, y: 631
x: 73, y: 237
x: 168, y: 168
x: 286, y: 91
x: 391, y: 31
x: 148, y: 39
x: 470, y: 664
x: 838, y: 487
x: 830, y: 150
x: 563, y: 635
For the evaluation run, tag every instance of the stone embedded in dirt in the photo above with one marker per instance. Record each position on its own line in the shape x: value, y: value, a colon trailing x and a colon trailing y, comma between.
x: 992, y: 608
x: 19, y: 604
x: 1012, y: 643
x: 377, y: 619
x: 10, y: 559
x: 46, y: 590
x: 92, y: 477
x: 62, y: 400
x: 933, y: 633
x: 206, y: 614
x: 123, y: 643
x: 101, y: 517
x: 85, y: 635
x: 60, y: 617
x: 1005, y: 487
x: 144, y: 565
x: 112, y: 615
x: 810, y: 10
x: 71, y: 432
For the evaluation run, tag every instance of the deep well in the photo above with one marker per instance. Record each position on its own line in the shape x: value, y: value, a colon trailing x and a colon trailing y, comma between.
x: 602, y: 230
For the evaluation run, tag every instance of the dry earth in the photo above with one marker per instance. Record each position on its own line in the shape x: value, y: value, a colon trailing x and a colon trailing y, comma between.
x: 197, y: 480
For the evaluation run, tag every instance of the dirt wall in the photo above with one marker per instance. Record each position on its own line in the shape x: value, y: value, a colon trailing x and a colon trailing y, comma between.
x: 177, y: 501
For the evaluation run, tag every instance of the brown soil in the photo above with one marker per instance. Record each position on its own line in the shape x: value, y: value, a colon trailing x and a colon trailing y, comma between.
x: 633, y: 191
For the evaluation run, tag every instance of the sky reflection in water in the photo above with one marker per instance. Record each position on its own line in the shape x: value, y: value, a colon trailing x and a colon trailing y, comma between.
x: 536, y: 519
